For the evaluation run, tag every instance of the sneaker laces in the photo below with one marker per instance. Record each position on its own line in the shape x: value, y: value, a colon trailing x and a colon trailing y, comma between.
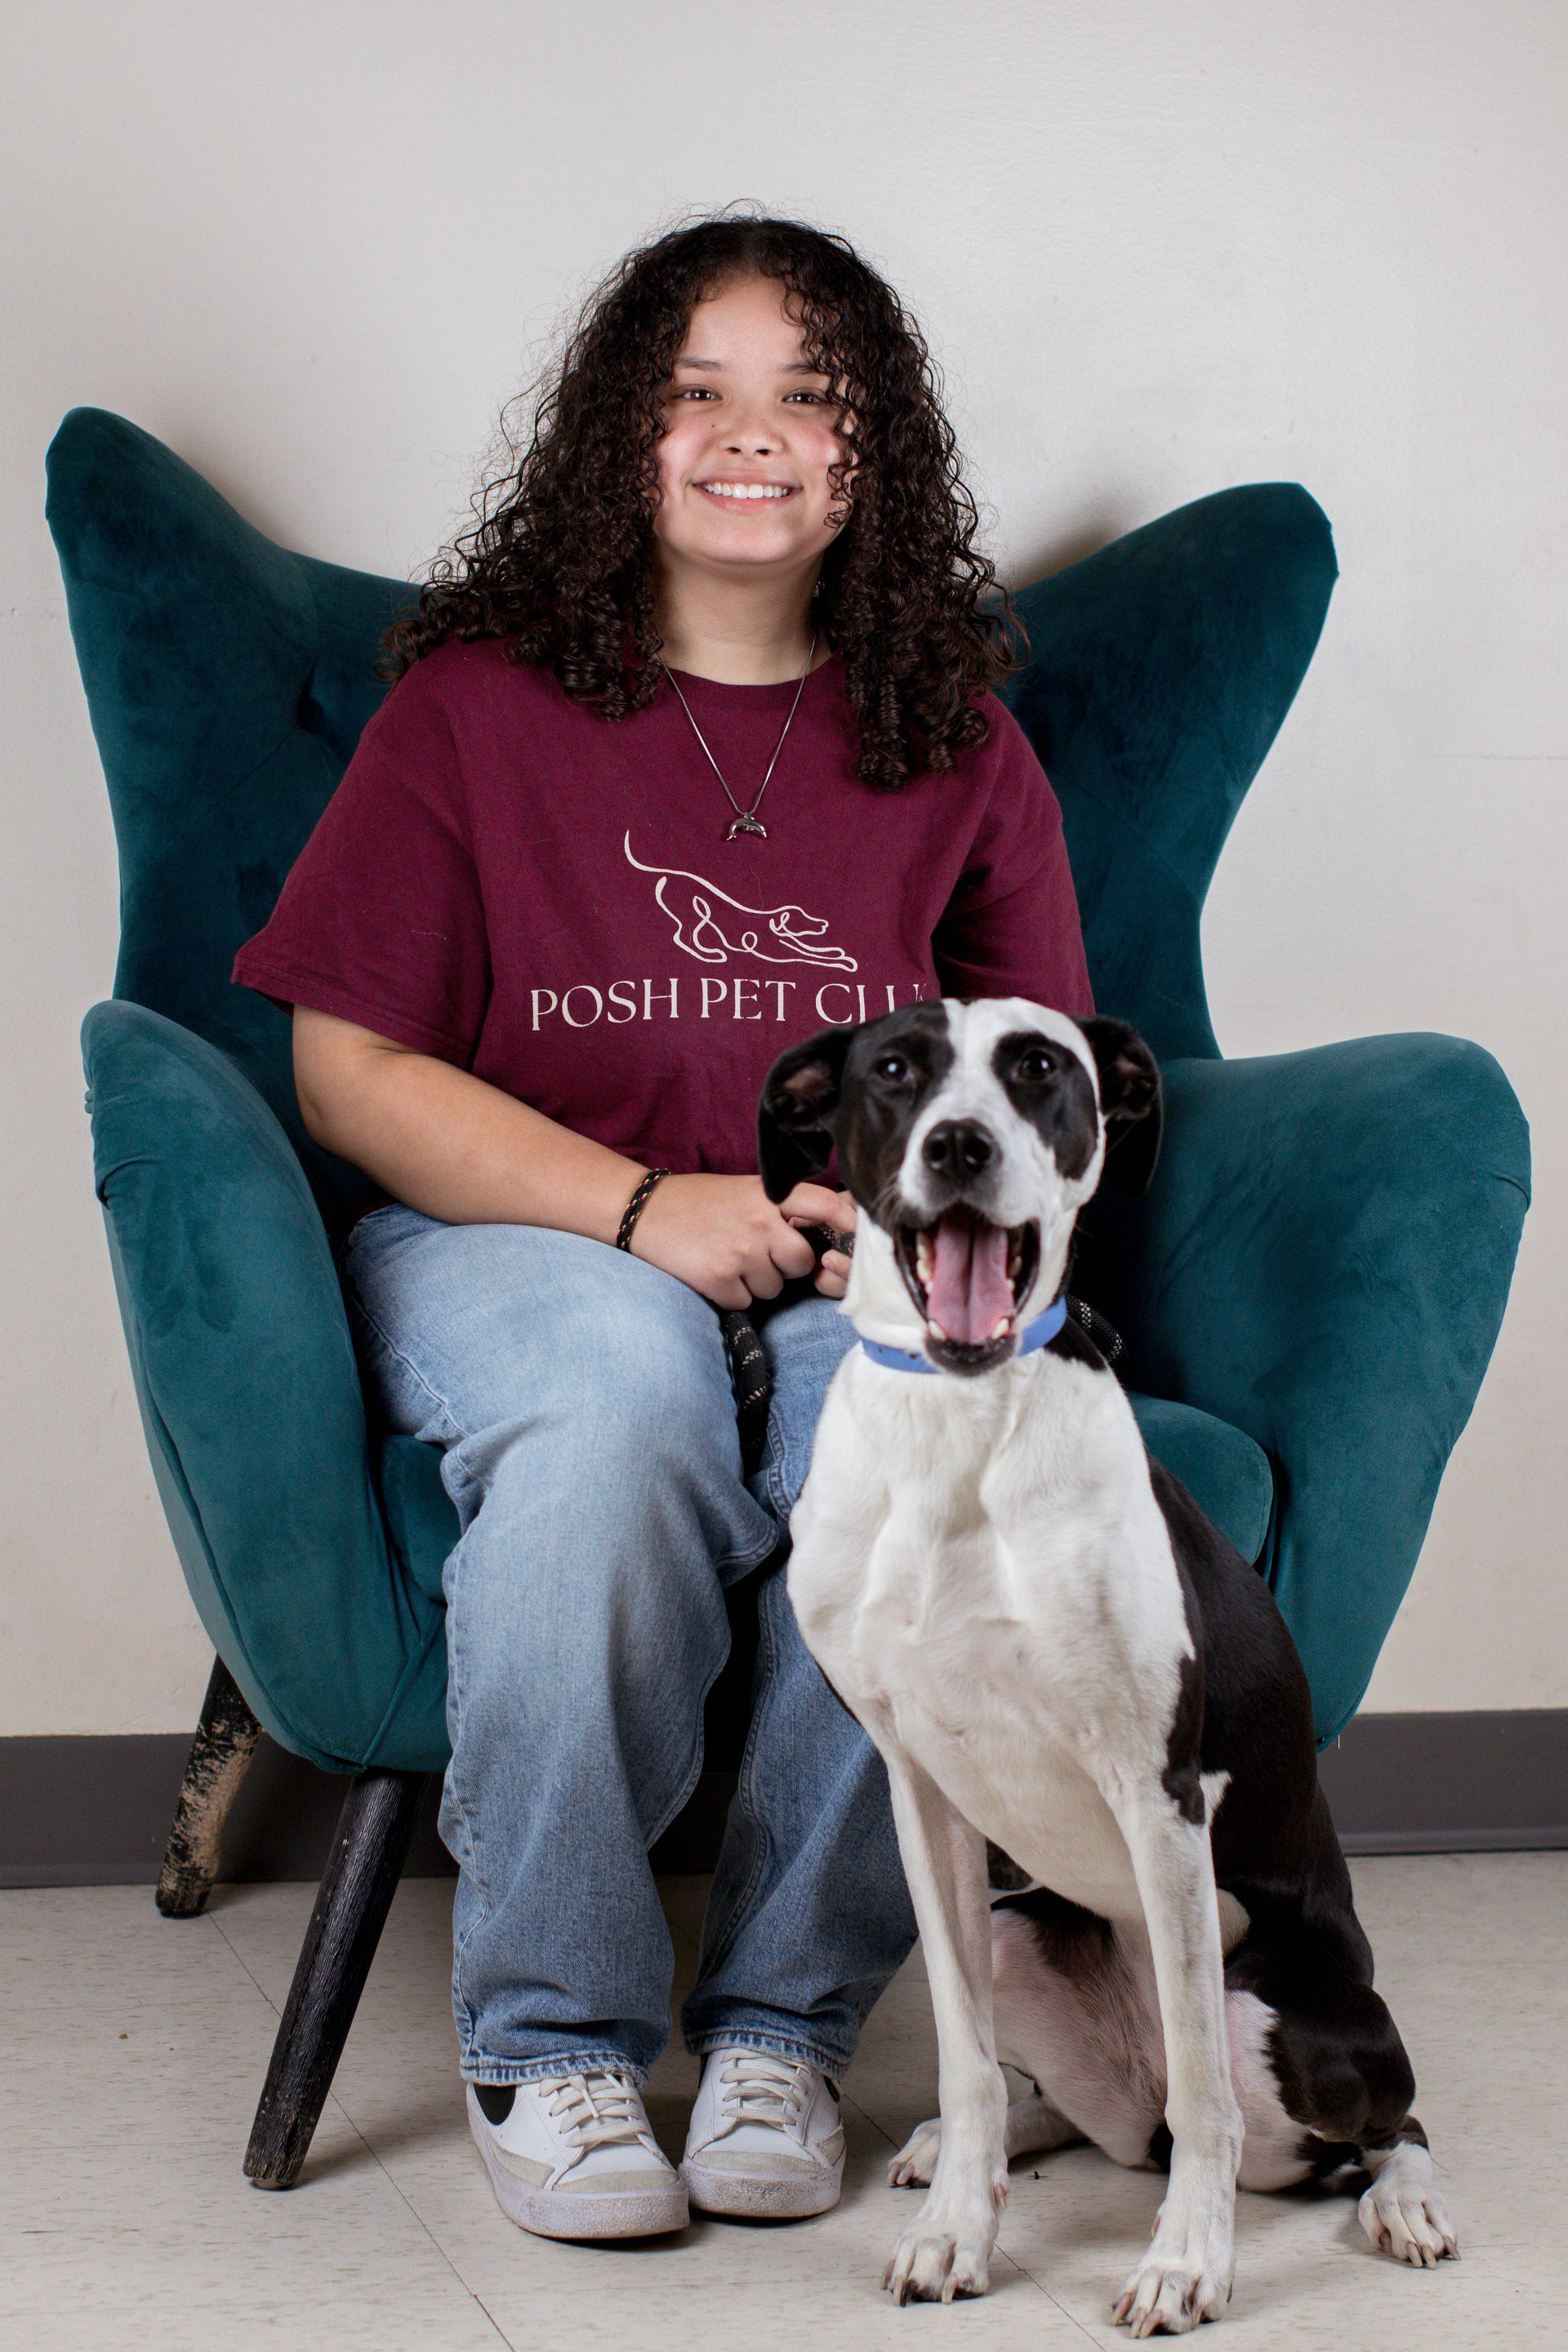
x: 757, y: 2089
x: 597, y: 2110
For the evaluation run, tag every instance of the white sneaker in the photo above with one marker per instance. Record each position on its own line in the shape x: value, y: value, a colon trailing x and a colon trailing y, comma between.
x: 574, y: 2157
x: 765, y: 2138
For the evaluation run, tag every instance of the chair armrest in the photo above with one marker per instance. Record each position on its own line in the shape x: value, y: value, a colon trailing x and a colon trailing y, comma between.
x: 250, y: 1398
x: 1323, y: 1260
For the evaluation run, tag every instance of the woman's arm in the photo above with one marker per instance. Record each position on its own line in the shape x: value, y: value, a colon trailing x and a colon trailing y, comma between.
x: 447, y: 1142
x: 458, y: 1149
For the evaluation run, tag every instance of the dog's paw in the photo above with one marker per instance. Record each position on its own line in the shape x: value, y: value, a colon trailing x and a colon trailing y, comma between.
x: 933, y: 2264
x: 915, y: 2161
x: 1170, y: 2293
x: 1408, y: 2221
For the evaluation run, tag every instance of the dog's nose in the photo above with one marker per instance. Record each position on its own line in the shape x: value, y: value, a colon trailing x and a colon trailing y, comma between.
x: 958, y: 1148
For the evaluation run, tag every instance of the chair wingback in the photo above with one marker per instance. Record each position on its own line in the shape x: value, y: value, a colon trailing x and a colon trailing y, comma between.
x: 227, y: 682
x: 1161, y: 670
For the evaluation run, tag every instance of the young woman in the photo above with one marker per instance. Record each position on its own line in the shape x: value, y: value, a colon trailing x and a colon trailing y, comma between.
x: 691, y: 754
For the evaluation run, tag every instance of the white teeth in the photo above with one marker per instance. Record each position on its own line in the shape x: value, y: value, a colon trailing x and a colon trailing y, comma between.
x: 925, y: 1257
x: 744, y: 489
x: 1003, y: 1323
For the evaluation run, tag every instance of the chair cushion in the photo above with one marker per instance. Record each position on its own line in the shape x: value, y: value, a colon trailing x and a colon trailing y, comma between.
x: 420, y: 1514
x: 1224, y: 1471
x: 1322, y: 1261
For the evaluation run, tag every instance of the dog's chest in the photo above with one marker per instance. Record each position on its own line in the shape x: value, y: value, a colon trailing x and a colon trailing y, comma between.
x: 1007, y: 1611
x: 993, y: 1708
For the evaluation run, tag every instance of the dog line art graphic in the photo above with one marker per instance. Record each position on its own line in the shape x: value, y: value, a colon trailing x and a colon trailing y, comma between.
x: 695, y: 905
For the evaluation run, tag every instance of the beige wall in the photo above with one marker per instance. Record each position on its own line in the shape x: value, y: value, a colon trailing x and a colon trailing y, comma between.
x: 1159, y: 250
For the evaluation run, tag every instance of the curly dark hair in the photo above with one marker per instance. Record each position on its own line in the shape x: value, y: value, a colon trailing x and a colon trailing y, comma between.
x: 559, y: 561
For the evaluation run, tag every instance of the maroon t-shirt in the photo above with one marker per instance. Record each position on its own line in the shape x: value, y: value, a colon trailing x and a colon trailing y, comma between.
x: 510, y: 883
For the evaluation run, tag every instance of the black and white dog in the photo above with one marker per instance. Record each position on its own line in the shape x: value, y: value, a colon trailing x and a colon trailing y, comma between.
x: 1054, y: 1649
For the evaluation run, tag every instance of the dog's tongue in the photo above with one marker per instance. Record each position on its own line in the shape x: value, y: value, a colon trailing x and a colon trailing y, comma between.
x: 968, y: 1287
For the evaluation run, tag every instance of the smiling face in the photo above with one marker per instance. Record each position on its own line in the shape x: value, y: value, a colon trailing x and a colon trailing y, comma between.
x: 751, y: 433
x: 972, y: 1137
x: 971, y: 1133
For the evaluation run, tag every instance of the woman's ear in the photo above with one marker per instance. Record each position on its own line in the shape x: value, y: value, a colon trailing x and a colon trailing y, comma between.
x: 797, y: 1116
x: 1130, y: 1102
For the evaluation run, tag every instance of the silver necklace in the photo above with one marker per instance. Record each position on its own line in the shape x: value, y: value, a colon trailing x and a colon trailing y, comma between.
x: 745, y: 819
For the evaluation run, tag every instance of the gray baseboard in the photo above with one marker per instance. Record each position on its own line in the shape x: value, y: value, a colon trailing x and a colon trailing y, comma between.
x: 94, y: 1812
x: 1486, y: 1782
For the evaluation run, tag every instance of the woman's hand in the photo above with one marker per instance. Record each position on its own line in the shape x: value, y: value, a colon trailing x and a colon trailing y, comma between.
x: 723, y: 1236
x: 814, y: 1205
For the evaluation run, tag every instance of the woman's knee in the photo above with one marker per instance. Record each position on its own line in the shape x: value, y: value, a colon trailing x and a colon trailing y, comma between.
x: 571, y: 1623
x: 608, y: 1516
x: 617, y: 1428
x: 659, y: 1382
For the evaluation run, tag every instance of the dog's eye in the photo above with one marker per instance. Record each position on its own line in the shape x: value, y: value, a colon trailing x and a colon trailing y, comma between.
x: 890, y: 1065
x: 1038, y: 1064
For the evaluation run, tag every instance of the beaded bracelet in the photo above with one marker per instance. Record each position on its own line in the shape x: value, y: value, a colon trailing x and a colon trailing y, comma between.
x: 634, y: 1206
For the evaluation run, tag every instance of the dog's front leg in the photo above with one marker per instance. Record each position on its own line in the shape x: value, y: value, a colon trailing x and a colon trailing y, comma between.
x: 1185, y: 2277
x: 946, y: 2249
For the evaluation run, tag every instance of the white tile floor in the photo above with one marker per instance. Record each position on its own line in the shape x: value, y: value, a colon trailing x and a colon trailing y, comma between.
x: 132, y: 2049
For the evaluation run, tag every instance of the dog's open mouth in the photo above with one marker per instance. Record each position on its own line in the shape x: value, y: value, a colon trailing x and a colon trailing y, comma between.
x: 968, y: 1277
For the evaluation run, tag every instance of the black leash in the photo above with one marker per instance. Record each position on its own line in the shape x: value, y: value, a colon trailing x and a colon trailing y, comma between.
x: 1106, y: 1336
x: 749, y: 1379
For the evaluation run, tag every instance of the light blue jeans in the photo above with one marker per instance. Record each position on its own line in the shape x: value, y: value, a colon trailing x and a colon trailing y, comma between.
x: 582, y: 1399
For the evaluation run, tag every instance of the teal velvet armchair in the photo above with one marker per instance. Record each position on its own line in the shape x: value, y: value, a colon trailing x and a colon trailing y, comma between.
x: 1309, y: 1293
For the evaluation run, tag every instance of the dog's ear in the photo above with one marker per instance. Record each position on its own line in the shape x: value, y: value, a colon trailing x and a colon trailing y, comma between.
x: 799, y: 1106
x: 1132, y: 1103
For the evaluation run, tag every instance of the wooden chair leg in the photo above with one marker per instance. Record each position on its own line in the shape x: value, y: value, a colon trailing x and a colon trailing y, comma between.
x: 219, y: 1759
x: 352, y: 1903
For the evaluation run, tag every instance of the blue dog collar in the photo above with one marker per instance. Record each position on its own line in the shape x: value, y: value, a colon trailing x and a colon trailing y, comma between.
x: 1037, y: 1334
